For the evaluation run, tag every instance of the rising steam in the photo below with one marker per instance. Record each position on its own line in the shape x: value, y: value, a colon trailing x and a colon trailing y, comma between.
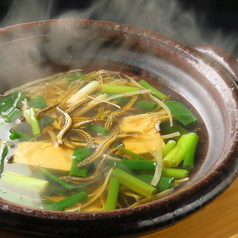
x: 163, y: 16
x: 166, y: 17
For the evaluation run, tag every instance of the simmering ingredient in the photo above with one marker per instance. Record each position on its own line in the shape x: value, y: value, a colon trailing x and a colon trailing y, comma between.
x: 93, y: 142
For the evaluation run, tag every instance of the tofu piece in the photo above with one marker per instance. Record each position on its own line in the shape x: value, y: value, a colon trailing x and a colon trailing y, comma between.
x: 44, y: 154
x: 145, y: 124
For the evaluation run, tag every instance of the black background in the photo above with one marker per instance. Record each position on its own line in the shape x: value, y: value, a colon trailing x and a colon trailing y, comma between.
x: 221, y: 14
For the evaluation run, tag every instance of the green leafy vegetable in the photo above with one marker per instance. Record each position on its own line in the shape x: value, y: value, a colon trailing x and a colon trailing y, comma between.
x: 133, y: 183
x: 145, y: 105
x: 140, y: 165
x: 34, y: 122
x: 74, y: 77
x: 37, y: 102
x: 52, y: 177
x: 79, y: 154
x: 165, y: 128
x: 107, y: 88
x: 181, y: 113
x: 175, y: 172
x: 168, y: 147
x: 11, y: 196
x: 16, y: 180
x: 163, y: 184
x: 19, y: 135
x: 12, y: 100
x: 181, y: 150
x: 112, y: 196
x: 98, y: 129
x: 45, y: 121
x: 68, y: 202
x: 157, y: 93
x: 13, y: 115
x: 134, y: 155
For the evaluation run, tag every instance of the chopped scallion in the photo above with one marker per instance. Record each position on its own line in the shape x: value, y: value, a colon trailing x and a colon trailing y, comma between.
x: 134, y: 155
x: 34, y: 122
x: 37, y: 102
x: 108, y: 88
x: 52, y: 177
x: 157, y: 93
x: 181, y: 113
x: 174, y: 172
x: 180, y: 151
x: 13, y: 179
x: 133, y: 183
x: 112, y: 194
x: 68, y: 202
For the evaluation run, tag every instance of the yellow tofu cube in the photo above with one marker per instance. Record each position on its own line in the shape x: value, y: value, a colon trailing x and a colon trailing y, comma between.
x: 44, y: 154
x: 145, y: 124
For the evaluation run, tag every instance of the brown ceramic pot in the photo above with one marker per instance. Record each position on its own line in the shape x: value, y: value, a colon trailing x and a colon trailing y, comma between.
x: 204, y: 76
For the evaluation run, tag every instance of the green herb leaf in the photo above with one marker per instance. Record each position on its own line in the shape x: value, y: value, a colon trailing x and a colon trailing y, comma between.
x: 182, y: 113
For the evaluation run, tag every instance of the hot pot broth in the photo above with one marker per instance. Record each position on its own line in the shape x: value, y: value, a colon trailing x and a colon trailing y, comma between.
x: 93, y: 142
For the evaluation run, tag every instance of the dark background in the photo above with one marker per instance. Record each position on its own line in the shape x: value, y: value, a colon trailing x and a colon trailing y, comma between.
x: 221, y: 14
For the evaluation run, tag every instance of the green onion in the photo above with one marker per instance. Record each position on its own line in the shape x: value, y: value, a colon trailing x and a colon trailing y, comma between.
x: 19, y: 135
x: 112, y: 196
x: 52, y: 177
x: 107, y: 88
x: 74, y: 77
x: 45, y: 121
x: 133, y: 183
x: 98, y: 129
x: 180, y: 151
x: 108, y: 116
x: 68, y: 202
x: 5, y: 149
x: 157, y: 93
x: 11, y: 196
x: 13, y: 115
x: 144, y: 165
x: 75, y: 171
x: 37, y: 102
x: 163, y: 184
x: 87, y: 89
x: 181, y: 113
x: 168, y: 147
x: 167, y: 129
x: 134, y: 155
x: 79, y: 154
x: 13, y: 179
x: 9, y: 106
x: 145, y: 105
x: 174, y: 172
x: 9, y: 101
x: 188, y: 162
x: 6, y: 103
x: 4, y: 154
x: 34, y: 122
x: 120, y: 99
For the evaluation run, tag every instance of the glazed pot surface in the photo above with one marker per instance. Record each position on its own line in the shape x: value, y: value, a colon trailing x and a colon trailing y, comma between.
x: 33, y: 50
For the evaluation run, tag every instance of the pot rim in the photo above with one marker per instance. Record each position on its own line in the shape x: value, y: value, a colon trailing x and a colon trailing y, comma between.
x: 213, y: 181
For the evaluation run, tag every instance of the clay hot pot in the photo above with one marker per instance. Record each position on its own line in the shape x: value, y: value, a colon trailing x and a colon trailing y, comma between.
x: 204, y: 76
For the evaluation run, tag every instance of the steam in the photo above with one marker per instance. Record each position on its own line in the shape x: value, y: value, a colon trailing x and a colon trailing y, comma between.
x: 162, y: 16
x: 27, y: 11
x: 166, y: 17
